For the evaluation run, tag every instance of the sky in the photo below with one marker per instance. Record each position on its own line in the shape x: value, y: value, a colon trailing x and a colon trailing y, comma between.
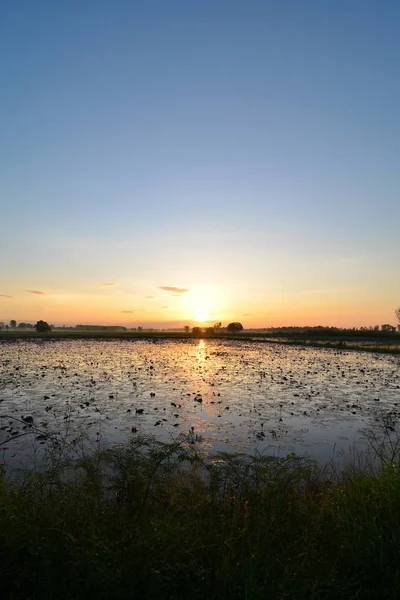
x: 170, y: 163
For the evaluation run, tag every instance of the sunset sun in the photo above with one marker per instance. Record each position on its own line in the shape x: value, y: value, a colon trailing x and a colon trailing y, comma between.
x: 201, y: 317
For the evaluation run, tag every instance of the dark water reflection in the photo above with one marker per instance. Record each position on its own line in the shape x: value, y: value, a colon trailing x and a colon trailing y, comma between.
x: 238, y: 395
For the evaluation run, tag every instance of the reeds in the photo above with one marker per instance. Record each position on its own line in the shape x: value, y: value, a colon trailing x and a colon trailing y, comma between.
x: 148, y: 519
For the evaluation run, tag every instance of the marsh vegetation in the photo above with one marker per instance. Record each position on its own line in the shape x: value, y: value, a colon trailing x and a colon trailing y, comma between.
x: 152, y: 520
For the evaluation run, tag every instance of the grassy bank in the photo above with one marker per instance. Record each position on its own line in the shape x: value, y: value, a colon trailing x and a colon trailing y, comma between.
x: 149, y: 520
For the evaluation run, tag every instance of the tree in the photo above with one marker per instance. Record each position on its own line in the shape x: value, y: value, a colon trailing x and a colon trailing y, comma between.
x: 234, y: 327
x: 1, y: 324
x: 217, y: 326
x: 13, y: 324
x: 386, y: 327
x: 397, y: 311
x: 186, y: 329
x: 42, y: 327
x: 210, y: 330
x: 197, y: 331
x: 21, y: 325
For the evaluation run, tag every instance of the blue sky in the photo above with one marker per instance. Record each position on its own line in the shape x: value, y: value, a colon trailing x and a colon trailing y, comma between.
x: 245, y: 151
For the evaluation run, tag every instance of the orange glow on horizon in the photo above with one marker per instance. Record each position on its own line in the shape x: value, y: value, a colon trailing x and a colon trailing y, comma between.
x: 201, y: 305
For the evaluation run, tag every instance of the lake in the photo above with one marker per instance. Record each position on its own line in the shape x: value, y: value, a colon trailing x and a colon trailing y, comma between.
x: 240, y: 396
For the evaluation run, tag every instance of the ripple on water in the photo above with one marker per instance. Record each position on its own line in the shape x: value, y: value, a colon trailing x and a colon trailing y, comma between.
x: 237, y: 395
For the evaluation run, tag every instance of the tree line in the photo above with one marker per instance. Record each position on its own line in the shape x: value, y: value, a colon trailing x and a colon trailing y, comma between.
x: 235, y: 327
x: 41, y: 326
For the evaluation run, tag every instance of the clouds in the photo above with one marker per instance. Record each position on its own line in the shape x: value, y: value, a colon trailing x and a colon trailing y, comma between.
x: 127, y: 312
x: 171, y: 288
x: 108, y: 284
x: 35, y: 292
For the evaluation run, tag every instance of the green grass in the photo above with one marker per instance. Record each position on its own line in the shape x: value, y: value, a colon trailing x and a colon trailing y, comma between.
x: 153, y: 520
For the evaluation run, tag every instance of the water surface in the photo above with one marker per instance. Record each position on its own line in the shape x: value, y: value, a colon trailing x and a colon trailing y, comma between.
x: 238, y: 395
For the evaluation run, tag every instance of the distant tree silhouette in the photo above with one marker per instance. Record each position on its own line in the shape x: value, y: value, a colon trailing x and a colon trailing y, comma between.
x: 197, y: 331
x: 397, y: 311
x: 186, y: 329
x: 234, y: 327
x: 13, y: 324
x: 1, y: 324
x: 217, y: 326
x: 42, y: 327
x: 210, y: 330
x: 386, y: 327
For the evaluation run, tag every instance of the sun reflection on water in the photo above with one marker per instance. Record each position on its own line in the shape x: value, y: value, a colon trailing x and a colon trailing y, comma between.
x: 236, y: 395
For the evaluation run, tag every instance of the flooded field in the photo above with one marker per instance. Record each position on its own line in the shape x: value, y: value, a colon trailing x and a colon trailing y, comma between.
x: 237, y: 395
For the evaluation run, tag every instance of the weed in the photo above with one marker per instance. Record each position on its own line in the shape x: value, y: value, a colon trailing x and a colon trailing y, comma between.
x: 149, y: 519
